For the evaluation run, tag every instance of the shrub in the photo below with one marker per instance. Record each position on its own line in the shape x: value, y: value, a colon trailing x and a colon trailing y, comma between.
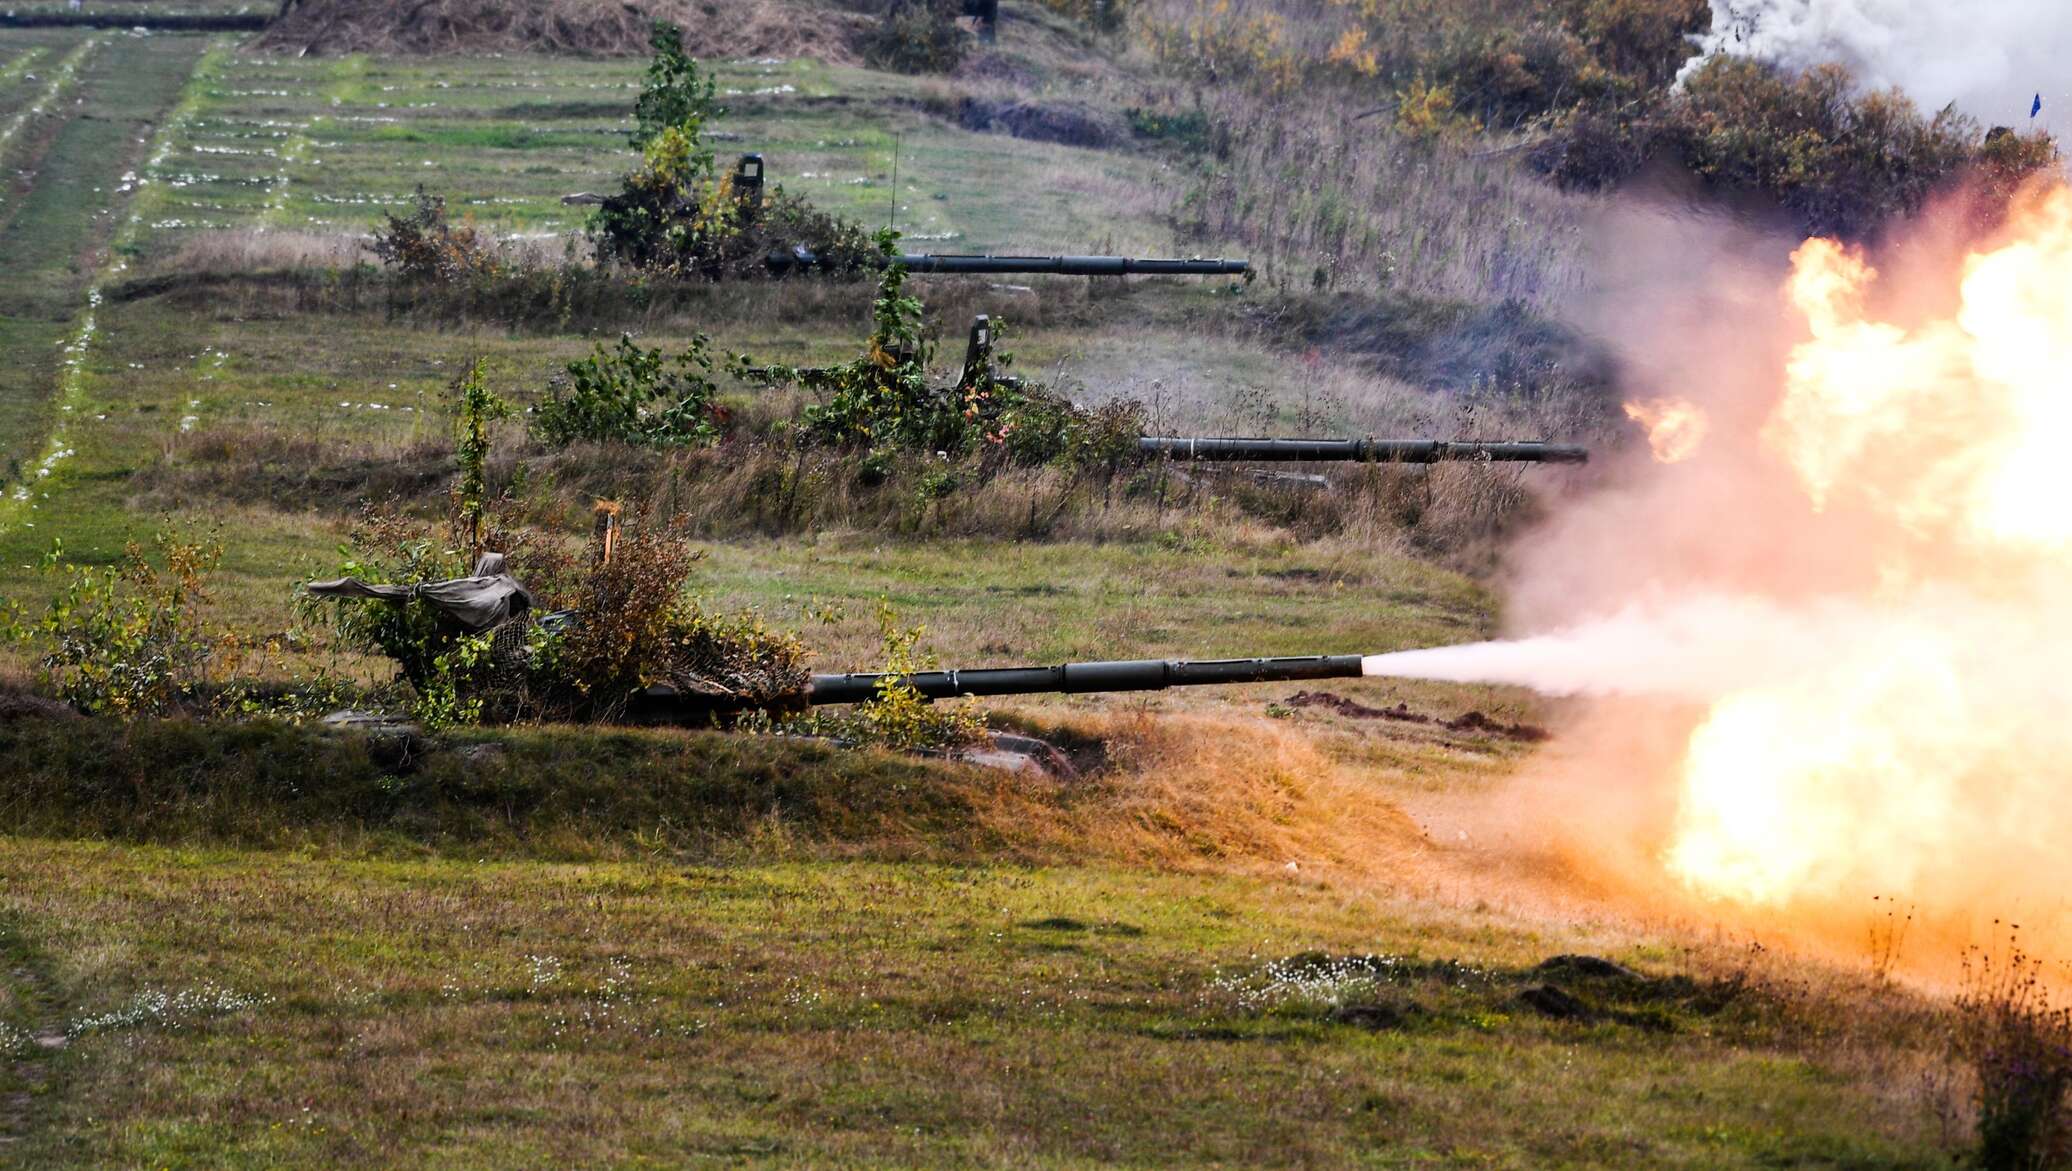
x: 639, y: 624
x: 1511, y: 74
x: 1844, y: 163
x: 1426, y: 112
x: 386, y: 546
x: 1591, y: 150
x: 1189, y: 130
x: 2020, y: 1049
x: 1208, y: 43
x: 1648, y: 40
x: 917, y: 36
x: 634, y: 395
x: 125, y: 639
x: 422, y: 245
x: 899, y: 716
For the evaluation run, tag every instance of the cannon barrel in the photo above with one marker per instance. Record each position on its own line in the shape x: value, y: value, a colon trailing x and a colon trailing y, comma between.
x: 1071, y: 265
x: 1403, y: 451
x: 1119, y: 675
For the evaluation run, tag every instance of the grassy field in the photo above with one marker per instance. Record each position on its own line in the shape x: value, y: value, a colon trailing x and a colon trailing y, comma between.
x: 266, y: 1010
x: 1239, y: 940
x: 329, y: 144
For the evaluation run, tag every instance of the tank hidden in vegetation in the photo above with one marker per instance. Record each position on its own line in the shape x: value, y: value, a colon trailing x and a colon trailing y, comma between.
x: 748, y: 189
x: 1386, y: 451
x: 492, y: 603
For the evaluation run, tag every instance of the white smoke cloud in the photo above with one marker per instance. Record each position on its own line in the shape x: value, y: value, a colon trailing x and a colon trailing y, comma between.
x: 1991, y: 57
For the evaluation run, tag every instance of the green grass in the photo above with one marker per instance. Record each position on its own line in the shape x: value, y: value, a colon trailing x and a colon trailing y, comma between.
x: 505, y: 139
x: 786, y: 1013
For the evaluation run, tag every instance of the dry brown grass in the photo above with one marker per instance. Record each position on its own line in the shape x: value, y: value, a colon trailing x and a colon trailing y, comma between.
x: 263, y: 249
x: 747, y: 487
x: 1328, y: 200
x: 1236, y: 793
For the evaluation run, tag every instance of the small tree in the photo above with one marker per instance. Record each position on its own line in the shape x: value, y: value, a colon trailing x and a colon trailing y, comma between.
x: 476, y: 407
x: 671, y: 206
x: 675, y: 96
x: 898, y: 716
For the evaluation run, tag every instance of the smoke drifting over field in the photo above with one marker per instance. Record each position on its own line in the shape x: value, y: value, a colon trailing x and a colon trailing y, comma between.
x: 1991, y: 57
x: 1849, y: 608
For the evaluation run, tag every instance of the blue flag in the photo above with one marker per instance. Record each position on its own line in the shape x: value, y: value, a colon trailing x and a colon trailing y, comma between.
x: 2036, y: 107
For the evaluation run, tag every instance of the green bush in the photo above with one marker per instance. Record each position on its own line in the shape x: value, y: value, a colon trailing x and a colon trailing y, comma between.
x: 898, y: 716
x: 917, y: 36
x: 633, y: 395
x: 125, y: 639
x: 1844, y: 163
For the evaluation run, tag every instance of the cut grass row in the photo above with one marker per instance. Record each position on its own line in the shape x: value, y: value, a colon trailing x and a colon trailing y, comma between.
x: 503, y: 140
x: 55, y: 230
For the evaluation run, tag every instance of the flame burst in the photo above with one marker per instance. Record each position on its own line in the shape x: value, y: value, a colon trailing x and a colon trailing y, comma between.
x: 1676, y: 427
x: 1929, y: 755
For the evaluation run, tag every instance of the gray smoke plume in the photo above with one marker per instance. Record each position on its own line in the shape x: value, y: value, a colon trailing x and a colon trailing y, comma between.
x: 1990, y: 57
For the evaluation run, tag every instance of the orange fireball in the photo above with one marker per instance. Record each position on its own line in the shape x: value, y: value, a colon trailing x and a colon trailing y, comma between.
x: 1928, y: 754
x: 1675, y: 427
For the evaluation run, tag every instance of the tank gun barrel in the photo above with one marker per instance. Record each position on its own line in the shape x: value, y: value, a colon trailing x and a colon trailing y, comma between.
x: 1076, y: 678
x: 1072, y: 265
x: 1403, y: 451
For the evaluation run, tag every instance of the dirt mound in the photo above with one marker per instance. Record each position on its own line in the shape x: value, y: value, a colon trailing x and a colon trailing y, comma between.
x: 1069, y: 123
x: 20, y: 704
x: 1353, y: 709
x: 589, y: 28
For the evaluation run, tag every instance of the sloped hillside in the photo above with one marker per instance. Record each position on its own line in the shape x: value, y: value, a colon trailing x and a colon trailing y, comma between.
x: 596, y: 28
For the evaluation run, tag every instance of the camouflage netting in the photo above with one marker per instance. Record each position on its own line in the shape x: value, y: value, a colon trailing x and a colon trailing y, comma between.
x: 718, y: 669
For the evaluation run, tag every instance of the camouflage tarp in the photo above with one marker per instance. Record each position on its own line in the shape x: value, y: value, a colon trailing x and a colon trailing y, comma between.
x: 482, y: 601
